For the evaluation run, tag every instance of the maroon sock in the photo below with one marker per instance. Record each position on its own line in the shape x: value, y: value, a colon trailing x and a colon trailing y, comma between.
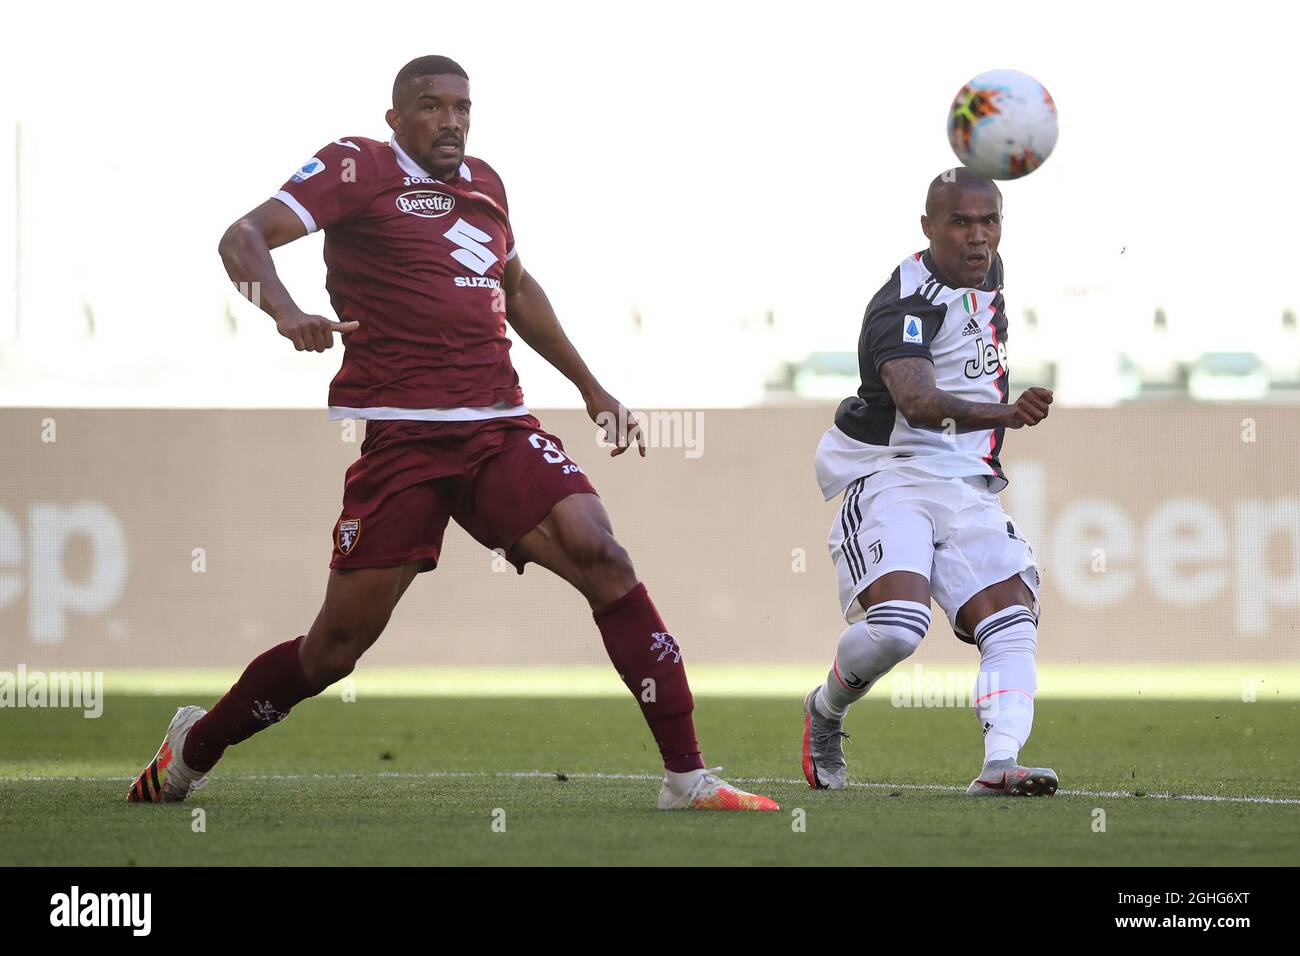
x: 263, y: 695
x: 650, y: 663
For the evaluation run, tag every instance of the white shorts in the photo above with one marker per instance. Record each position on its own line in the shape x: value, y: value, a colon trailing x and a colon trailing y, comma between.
x: 951, y: 531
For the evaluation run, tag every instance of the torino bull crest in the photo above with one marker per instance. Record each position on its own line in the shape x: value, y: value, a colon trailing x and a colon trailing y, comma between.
x: 346, y: 537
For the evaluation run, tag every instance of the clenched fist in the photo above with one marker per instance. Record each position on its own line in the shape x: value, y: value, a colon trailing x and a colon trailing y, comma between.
x: 1030, y: 408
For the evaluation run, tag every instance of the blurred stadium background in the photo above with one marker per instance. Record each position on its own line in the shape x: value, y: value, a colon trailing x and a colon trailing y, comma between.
x: 710, y: 195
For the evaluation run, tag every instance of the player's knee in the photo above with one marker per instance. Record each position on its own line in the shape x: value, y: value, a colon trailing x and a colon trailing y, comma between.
x: 614, y: 559
x: 603, y: 563
x: 331, y: 669
x: 896, y: 630
x: 893, y: 644
x: 331, y: 651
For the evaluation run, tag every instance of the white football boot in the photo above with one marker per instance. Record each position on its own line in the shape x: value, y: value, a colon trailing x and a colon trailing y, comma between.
x: 703, y: 790
x: 167, y: 779
x: 1005, y: 778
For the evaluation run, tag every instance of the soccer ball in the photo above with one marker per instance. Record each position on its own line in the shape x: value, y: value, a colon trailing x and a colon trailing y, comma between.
x: 1002, y: 124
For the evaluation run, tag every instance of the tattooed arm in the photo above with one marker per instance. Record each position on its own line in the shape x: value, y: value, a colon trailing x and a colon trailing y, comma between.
x: 911, y: 385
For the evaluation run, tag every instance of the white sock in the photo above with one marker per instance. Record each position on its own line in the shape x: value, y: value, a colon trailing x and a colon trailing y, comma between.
x: 891, y: 632
x: 1008, y: 679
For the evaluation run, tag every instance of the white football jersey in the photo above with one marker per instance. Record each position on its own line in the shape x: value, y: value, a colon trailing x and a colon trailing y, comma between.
x: 963, y: 331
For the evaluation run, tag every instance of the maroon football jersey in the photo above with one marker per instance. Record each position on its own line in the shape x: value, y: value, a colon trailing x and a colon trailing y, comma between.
x: 419, y: 262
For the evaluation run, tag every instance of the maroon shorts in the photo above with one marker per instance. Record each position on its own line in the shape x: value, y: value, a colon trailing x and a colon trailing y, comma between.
x: 498, y: 478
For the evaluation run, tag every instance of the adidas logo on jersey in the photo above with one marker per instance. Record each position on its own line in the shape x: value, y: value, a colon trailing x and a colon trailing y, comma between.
x: 972, y: 327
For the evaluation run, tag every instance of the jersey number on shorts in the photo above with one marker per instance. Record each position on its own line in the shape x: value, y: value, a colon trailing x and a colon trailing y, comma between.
x: 552, y: 454
x: 548, y: 449
x: 472, y: 254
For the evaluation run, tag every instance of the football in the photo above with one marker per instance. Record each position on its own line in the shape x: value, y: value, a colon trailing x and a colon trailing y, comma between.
x: 1002, y: 124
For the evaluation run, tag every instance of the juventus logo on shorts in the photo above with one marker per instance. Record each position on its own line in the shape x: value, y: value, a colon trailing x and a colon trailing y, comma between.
x: 877, y: 551
x: 348, y: 532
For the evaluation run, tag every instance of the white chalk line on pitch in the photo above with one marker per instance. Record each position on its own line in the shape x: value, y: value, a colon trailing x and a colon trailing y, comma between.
x: 552, y: 775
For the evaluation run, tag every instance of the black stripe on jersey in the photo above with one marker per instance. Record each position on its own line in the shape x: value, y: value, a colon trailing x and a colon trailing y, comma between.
x: 934, y: 284
x: 869, y: 416
x: 998, y: 331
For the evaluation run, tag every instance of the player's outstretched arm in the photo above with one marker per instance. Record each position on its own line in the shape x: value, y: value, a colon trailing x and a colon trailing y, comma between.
x: 529, y: 313
x: 246, y: 251
x: 911, y: 385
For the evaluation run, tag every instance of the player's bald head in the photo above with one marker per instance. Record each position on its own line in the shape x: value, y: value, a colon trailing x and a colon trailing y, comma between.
x: 963, y: 221
x: 423, y: 66
x: 949, y: 185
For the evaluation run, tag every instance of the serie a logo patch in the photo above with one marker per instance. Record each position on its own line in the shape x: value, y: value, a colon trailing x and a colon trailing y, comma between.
x: 307, y: 170
x: 345, y: 538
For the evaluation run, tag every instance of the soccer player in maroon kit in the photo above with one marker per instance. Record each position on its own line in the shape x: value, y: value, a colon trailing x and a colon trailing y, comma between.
x: 423, y: 273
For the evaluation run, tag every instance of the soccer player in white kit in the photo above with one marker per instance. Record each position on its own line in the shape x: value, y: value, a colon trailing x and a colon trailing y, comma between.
x: 915, y: 454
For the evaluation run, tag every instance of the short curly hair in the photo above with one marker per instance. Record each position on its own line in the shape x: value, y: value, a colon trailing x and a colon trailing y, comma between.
x: 425, y: 66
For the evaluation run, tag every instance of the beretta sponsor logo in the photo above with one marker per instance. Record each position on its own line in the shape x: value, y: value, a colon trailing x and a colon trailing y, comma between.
x: 427, y: 203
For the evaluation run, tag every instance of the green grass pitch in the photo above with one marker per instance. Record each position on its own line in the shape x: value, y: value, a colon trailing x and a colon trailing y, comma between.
x: 420, y: 780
